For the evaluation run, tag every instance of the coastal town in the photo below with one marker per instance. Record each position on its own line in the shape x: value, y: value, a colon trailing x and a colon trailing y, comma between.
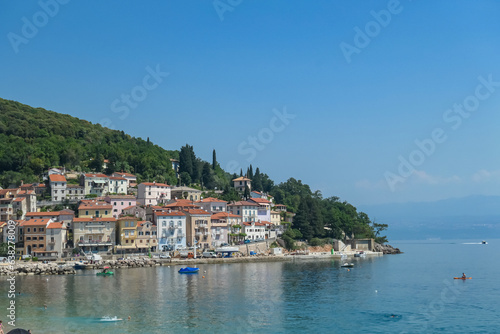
x: 117, y: 216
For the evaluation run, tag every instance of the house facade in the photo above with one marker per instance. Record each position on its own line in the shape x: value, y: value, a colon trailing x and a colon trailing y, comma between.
x: 254, y: 230
x: 213, y: 205
x: 263, y: 208
x: 57, y: 187
x: 172, y: 228
x: 120, y: 202
x: 187, y: 193
x: 147, y: 239
x: 241, y: 183
x: 117, y: 185
x: 126, y: 234
x: 127, y: 176
x: 94, y: 234
x: 247, y: 210
x: 199, y: 224
x: 93, y: 208
x: 57, y: 240
x: 34, y: 231
x: 75, y: 192
x: 152, y: 193
x: 97, y: 184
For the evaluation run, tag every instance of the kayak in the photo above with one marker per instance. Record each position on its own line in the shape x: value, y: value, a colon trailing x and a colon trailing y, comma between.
x: 189, y: 270
x: 105, y: 274
x: 462, y: 278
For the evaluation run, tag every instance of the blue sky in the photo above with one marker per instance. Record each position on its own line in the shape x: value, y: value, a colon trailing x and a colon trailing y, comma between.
x: 234, y: 65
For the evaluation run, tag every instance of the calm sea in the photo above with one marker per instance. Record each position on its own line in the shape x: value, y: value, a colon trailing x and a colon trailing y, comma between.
x: 410, y: 293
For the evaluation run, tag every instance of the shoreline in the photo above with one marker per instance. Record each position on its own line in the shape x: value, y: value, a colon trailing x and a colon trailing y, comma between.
x: 67, y: 267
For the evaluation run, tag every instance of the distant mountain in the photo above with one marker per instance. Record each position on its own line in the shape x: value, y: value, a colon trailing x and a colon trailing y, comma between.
x: 472, y: 217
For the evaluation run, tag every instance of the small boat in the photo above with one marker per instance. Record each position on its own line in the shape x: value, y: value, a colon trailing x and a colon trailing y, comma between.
x: 347, y: 265
x: 360, y: 254
x: 462, y: 277
x: 105, y: 272
x: 484, y: 242
x: 189, y: 270
x: 81, y: 265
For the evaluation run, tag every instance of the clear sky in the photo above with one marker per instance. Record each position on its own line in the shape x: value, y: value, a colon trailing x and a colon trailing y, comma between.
x: 335, y: 93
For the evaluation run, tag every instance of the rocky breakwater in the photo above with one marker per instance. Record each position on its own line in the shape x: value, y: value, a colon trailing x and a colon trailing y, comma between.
x: 35, y: 268
x: 132, y: 263
x: 387, y: 249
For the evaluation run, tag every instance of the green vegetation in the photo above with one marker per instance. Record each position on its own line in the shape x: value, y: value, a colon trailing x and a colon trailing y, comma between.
x: 34, y: 139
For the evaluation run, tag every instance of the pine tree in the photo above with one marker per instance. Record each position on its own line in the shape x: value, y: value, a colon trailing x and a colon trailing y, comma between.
x: 250, y: 172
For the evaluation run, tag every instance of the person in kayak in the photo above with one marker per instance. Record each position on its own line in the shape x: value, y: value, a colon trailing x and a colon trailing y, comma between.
x: 463, y: 275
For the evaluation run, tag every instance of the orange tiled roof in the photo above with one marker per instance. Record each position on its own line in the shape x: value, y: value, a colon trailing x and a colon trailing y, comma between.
x: 255, y: 223
x: 242, y: 178
x: 36, y: 222
x: 55, y: 225
x: 125, y: 174
x: 172, y: 213
x: 42, y: 214
x: 96, y: 175
x: 260, y: 200
x: 57, y: 178
x: 220, y: 215
x: 211, y: 199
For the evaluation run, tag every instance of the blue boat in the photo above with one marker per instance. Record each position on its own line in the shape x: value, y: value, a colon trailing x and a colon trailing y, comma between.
x: 189, y: 270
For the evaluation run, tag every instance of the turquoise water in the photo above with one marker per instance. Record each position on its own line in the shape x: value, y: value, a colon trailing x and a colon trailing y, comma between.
x: 410, y: 293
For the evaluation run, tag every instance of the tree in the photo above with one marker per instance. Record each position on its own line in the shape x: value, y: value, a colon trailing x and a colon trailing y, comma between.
x: 246, y: 193
x: 256, y: 181
x: 214, y: 160
x: 185, y: 178
x: 96, y: 163
x: 207, y: 176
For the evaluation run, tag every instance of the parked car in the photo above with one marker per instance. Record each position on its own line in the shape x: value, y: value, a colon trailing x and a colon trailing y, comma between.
x: 209, y: 254
x: 164, y: 256
x: 248, y: 241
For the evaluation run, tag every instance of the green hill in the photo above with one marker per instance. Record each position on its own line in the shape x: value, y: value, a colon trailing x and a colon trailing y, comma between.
x: 34, y: 139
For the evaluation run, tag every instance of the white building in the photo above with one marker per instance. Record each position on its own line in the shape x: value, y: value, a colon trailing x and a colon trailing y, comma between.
x: 247, y: 210
x: 153, y: 193
x: 213, y: 205
x: 171, y: 230
x: 117, y: 185
x: 56, y: 236
x: 254, y: 230
x: 127, y: 176
x: 57, y: 187
x: 97, y: 184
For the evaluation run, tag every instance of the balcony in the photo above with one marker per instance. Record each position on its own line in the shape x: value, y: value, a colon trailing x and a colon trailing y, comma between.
x: 198, y: 234
x: 94, y: 243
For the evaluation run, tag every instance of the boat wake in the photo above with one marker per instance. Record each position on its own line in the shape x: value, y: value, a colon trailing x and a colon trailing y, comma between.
x: 472, y: 243
x: 107, y: 318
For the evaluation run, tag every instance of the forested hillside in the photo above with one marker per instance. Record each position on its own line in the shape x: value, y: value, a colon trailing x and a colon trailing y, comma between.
x: 34, y: 139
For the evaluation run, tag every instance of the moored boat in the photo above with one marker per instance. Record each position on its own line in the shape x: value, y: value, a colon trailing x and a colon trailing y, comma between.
x: 347, y: 265
x: 188, y: 270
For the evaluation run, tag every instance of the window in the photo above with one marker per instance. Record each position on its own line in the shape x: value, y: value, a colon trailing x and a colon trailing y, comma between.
x: 126, y: 241
x: 141, y: 241
x: 86, y: 213
x: 132, y: 224
x: 149, y: 193
x: 34, y: 245
x: 115, y: 204
x: 122, y: 203
x: 28, y: 238
x: 126, y: 234
x: 34, y: 229
x: 132, y: 233
x: 106, y: 212
x: 126, y: 224
x: 42, y: 229
x: 40, y: 238
x: 40, y: 245
x: 129, y: 203
x: 115, y: 210
x: 163, y: 224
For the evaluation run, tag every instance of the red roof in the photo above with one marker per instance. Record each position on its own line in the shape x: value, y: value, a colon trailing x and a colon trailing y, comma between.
x: 55, y: 225
x: 220, y: 215
x: 260, y: 200
x: 57, y: 178
x: 241, y: 178
x: 211, y: 199
x: 42, y: 214
x: 19, y: 199
x: 26, y: 192
x: 182, y: 203
x: 36, y: 222
x: 94, y: 205
x: 154, y: 184
x: 172, y: 213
